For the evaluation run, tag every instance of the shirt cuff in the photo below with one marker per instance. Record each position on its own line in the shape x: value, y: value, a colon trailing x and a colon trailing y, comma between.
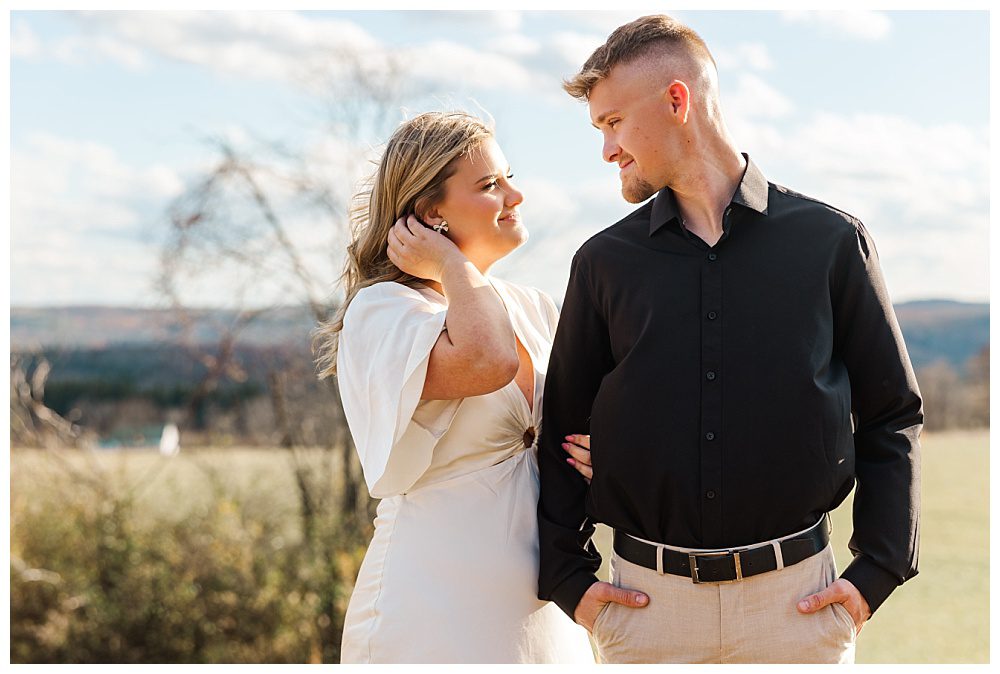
x: 567, y: 594
x: 873, y: 582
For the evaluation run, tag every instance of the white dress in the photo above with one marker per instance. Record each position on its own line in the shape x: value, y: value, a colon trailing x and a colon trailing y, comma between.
x: 451, y: 574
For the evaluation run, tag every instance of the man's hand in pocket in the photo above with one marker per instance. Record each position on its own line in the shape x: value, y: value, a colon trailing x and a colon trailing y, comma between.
x: 599, y: 595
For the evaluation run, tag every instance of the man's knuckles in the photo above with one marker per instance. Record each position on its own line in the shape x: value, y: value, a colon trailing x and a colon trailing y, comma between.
x: 626, y: 598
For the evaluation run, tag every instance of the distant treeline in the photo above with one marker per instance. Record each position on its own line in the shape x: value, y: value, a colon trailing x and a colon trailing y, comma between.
x: 165, y: 374
x: 63, y: 396
x: 265, y: 395
x: 956, y: 397
x: 934, y: 330
x: 271, y: 392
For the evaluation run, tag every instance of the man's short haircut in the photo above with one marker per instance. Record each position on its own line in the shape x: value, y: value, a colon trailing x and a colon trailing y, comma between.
x: 632, y: 41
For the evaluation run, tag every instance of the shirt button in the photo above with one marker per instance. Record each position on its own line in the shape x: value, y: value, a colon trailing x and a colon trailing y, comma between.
x: 712, y: 315
x: 710, y: 494
x: 710, y: 376
x: 710, y: 436
x: 712, y: 257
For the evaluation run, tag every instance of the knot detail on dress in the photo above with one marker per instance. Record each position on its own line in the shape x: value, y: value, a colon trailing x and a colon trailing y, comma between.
x: 529, y: 437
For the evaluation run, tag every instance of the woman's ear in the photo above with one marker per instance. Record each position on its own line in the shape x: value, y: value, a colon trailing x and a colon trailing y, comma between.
x: 430, y: 217
x: 426, y: 213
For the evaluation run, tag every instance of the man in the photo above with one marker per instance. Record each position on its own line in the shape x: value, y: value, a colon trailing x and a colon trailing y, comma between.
x: 716, y: 342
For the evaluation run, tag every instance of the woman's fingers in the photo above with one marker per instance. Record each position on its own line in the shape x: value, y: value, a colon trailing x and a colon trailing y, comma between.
x: 403, y: 231
x: 578, y: 448
x: 412, y: 224
x: 579, y: 453
x: 394, y: 241
x: 586, y: 471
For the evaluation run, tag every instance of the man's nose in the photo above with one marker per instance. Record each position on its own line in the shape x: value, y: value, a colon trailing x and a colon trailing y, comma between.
x: 610, y: 151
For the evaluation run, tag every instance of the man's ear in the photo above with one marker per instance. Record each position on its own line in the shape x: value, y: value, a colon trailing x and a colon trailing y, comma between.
x: 678, y: 97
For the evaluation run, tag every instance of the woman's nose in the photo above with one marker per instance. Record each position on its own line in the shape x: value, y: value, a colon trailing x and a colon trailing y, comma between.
x: 514, y: 196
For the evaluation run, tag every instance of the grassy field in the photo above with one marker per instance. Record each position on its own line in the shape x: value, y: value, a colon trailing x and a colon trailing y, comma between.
x: 941, y: 616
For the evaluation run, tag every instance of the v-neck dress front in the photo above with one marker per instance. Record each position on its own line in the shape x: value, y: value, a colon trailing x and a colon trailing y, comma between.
x: 451, y: 574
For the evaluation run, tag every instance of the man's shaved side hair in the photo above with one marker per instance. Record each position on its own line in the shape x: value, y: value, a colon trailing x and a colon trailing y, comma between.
x: 657, y: 36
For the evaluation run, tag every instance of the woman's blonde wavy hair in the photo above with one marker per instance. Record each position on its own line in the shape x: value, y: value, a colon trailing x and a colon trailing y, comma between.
x: 420, y: 156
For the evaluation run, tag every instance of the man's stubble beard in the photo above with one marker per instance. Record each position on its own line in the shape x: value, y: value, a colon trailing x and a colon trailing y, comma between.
x: 638, y: 191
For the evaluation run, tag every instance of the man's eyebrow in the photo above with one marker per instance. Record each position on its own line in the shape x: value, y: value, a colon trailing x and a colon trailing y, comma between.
x: 603, y: 116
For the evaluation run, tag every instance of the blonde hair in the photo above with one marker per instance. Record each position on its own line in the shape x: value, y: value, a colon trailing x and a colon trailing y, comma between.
x: 420, y: 156
x: 634, y: 40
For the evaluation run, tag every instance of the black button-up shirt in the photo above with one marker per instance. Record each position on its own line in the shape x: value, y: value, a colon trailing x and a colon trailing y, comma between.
x: 718, y: 385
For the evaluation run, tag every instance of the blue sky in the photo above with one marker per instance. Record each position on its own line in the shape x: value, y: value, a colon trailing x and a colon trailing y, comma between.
x: 883, y: 114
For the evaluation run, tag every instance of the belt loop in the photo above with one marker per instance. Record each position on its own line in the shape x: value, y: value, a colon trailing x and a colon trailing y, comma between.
x: 777, y: 555
x: 659, y: 559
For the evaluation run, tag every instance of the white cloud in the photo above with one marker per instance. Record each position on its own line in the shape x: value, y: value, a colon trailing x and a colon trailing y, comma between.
x: 81, y: 220
x: 746, y: 55
x: 270, y: 45
x: 78, y: 49
x: 513, y: 44
x: 495, y: 21
x: 293, y: 48
x: 506, y: 20
x: 85, y: 167
x: 88, y: 226
x: 23, y: 41
x: 573, y: 49
x: 755, y: 97
x: 861, y: 24
x: 455, y: 66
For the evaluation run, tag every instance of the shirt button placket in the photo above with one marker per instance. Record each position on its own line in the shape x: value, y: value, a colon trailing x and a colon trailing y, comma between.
x: 711, y: 398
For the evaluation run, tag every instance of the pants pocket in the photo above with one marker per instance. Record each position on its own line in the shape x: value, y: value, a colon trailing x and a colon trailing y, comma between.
x: 600, y: 616
x: 845, y: 617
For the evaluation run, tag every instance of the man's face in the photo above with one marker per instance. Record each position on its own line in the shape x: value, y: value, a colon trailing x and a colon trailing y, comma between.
x: 630, y: 109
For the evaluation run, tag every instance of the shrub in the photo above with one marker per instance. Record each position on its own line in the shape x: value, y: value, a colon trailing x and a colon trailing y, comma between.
x: 93, y: 579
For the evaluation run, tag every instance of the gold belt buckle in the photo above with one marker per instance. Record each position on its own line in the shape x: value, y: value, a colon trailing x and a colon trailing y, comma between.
x: 693, y: 563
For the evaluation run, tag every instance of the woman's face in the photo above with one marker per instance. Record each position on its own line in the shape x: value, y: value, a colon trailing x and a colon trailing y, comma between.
x: 481, y: 207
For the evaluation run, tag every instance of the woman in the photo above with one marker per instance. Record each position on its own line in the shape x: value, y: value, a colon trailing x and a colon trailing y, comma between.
x: 441, y: 369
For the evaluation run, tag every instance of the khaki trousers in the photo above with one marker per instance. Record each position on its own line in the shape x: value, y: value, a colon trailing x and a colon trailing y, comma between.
x: 754, y: 620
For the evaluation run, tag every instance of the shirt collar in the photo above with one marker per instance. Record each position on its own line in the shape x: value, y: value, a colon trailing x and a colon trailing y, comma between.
x: 751, y: 193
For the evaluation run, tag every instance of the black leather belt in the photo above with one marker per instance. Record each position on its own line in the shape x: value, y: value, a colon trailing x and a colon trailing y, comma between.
x: 725, y: 566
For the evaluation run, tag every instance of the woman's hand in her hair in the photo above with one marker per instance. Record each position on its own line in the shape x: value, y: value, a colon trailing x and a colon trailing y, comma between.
x: 420, y: 251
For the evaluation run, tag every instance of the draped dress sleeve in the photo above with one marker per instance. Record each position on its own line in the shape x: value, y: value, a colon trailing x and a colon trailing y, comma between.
x: 388, y: 334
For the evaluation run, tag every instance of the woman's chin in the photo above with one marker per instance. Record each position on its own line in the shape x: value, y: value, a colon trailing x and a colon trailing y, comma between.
x: 518, y: 241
